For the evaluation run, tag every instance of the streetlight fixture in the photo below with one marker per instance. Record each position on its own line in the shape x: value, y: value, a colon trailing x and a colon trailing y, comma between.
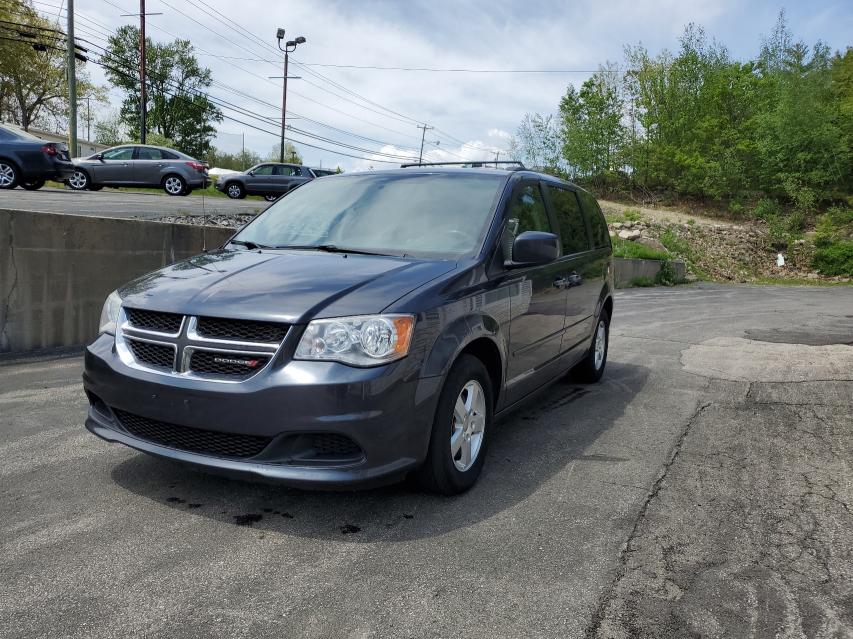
x: 289, y: 46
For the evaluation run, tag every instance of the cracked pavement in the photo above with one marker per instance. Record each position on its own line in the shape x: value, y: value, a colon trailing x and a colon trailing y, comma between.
x: 704, y: 488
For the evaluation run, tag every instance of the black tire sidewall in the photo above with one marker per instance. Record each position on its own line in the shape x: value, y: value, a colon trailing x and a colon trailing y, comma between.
x: 35, y: 185
x: 439, y: 471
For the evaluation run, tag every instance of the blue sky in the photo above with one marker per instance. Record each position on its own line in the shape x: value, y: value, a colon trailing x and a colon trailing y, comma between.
x: 378, y: 111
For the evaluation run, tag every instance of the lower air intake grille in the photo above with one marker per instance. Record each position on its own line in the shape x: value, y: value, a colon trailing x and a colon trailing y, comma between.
x: 227, y: 364
x: 193, y: 440
x: 154, y: 320
x: 332, y: 445
x: 157, y: 355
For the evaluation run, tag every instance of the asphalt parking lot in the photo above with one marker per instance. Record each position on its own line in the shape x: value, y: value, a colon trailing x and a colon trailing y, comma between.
x: 702, y: 489
x: 127, y: 204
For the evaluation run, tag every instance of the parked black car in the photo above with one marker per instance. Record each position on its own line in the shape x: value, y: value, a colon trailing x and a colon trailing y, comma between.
x: 364, y: 327
x: 29, y: 161
x: 271, y: 180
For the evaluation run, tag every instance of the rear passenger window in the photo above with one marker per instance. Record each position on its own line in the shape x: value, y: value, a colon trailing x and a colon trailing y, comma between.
x: 526, y: 213
x: 573, y: 233
x: 283, y: 170
x: 145, y: 153
x: 600, y: 236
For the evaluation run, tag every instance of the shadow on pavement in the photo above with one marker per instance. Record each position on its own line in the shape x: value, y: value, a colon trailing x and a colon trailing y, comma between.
x: 528, y: 447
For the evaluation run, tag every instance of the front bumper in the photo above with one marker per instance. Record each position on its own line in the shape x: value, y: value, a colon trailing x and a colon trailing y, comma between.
x: 387, y: 411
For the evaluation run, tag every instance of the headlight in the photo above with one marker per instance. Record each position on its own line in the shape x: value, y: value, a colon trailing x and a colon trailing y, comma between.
x: 109, y: 315
x: 365, y: 340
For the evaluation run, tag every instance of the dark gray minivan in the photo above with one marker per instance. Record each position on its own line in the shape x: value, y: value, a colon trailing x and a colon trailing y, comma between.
x: 364, y: 327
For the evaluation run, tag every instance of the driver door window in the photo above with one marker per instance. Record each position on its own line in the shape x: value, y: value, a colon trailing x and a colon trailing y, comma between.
x: 526, y: 213
x: 122, y: 153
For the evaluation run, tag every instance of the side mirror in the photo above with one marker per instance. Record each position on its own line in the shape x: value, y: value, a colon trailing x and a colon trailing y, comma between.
x: 98, y: 156
x: 533, y: 248
x: 250, y: 172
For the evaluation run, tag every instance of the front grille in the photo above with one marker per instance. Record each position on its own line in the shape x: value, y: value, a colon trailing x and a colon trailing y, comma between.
x: 193, y: 440
x: 229, y: 365
x: 154, y: 320
x: 241, y: 330
x: 157, y: 355
x: 333, y: 445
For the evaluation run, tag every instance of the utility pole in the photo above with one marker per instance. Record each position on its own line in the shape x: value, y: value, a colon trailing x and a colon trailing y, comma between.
x: 72, y: 82
x: 142, y: 102
x: 423, y: 136
x: 497, y: 157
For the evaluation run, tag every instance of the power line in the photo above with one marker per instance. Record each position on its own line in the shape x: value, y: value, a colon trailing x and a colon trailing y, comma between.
x: 451, y: 70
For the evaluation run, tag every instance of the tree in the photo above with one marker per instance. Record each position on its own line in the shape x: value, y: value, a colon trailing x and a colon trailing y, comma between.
x: 33, y: 86
x: 291, y: 155
x: 176, y: 101
x: 234, y: 161
x: 537, y: 142
x: 591, y: 121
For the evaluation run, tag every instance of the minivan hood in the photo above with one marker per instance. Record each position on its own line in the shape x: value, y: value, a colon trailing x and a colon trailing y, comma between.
x: 286, y: 286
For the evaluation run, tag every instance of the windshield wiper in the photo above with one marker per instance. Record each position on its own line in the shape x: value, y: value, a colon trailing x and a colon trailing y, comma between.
x: 328, y: 248
x: 249, y: 244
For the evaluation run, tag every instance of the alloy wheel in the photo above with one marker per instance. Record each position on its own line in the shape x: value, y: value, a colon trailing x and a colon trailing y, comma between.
x: 233, y: 191
x: 7, y: 175
x: 600, y: 344
x: 78, y: 181
x: 173, y: 185
x: 468, y: 425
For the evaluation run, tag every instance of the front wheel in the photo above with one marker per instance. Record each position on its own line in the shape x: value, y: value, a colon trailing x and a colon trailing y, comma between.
x: 174, y: 185
x: 79, y: 181
x: 8, y: 175
x: 235, y: 191
x: 271, y: 198
x: 591, y: 368
x: 462, y: 425
x: 34, y: 185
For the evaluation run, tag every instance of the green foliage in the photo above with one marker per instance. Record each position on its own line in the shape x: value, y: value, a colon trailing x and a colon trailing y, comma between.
x: 673, y: 243
x: 835, y: 258
x: 537, y: 142
x: 177, y: 106
x: 642, y: 281
x: 667, y: 275
x: 766, y: 209
x: 698, y: 123
x: 591, y: 119
x: 291, y: 155
x: 626, y: 248
x: 234, y: 161
x: 33, y: 85
x: 632, y: 215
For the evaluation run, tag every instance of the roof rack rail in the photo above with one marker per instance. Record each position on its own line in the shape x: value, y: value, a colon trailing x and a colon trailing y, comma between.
x: 472, y: 165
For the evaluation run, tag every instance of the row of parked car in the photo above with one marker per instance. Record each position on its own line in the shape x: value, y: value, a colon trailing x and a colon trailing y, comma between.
x: 29, y: 162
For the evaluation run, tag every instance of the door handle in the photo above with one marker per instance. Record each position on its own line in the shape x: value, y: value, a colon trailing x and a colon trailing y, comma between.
x: 160, y: 164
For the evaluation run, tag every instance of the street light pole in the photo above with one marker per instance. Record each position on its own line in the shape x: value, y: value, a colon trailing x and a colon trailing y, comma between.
x: 289, y: 46
x: 423, y: 136
x: 72, y: 82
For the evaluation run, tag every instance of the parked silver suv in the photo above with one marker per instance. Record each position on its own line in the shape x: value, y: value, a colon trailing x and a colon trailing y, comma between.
x: 270, y: 180
x: 138, y: 165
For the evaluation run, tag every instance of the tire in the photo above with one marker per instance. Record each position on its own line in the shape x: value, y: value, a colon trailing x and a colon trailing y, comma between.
x: 9, y: 175
x: 174, y: 184
x: 591, y: 368
x: 95, y: 187
x: 235, y: 191
x: 187, y: 191
x: 79, y: 181
x: 271, y: 198
x: 35, y: 185
x: 446, y: 469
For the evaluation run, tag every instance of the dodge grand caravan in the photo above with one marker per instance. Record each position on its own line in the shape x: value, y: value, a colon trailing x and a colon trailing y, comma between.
x: 364, y: 327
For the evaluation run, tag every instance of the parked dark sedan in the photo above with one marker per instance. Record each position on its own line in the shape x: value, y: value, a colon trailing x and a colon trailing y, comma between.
x: 364, y: 327
x: 270, y: 180
x: 29, y: 161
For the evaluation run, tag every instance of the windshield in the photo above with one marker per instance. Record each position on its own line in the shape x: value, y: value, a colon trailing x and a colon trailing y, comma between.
x: 418, y: 214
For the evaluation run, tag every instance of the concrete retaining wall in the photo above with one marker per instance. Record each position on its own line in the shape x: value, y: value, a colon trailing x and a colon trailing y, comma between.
x: 627, y: 269
x: 56, y: 271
